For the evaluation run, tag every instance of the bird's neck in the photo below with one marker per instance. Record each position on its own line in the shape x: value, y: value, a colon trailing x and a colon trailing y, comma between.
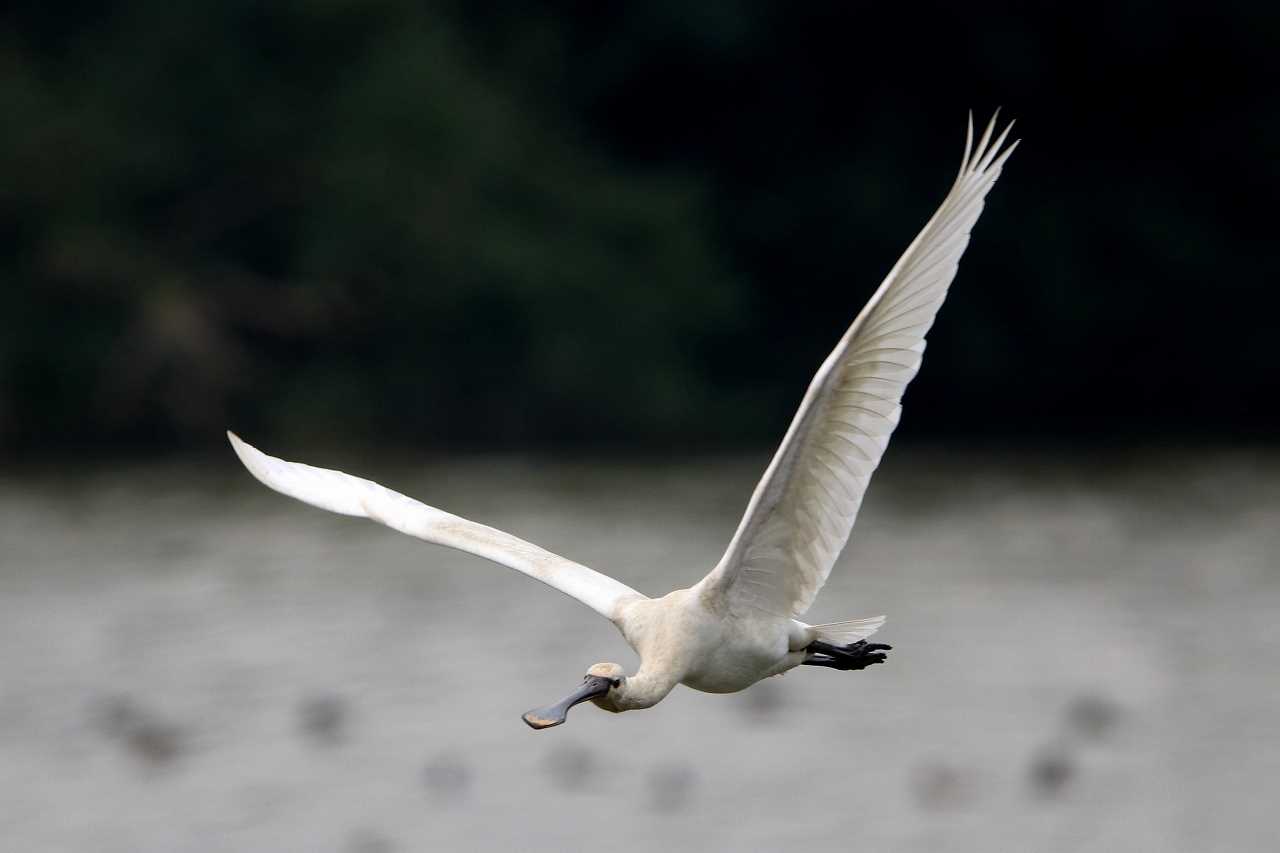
x: 645, y: 689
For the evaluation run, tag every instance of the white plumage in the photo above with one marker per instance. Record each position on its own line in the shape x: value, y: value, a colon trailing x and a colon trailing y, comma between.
x: 348, y: 495
x: 741, y: 622
x: 804, y: 507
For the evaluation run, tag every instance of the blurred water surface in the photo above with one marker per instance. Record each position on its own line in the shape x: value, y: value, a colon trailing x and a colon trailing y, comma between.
x: 1086, y: 658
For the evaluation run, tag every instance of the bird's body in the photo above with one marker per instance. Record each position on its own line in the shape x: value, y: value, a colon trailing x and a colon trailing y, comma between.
x: 682, y: 638
x: 741, y: 622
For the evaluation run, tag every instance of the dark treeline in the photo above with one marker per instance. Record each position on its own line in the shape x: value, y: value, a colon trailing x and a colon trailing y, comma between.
x: 556, y: 223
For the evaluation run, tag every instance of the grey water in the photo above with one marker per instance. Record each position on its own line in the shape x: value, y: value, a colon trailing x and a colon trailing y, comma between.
x: 1086, y: 658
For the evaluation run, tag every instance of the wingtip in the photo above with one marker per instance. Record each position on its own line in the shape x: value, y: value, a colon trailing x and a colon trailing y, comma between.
x: 968, y: 149
x: 243, y: 449
x: 979, y: 158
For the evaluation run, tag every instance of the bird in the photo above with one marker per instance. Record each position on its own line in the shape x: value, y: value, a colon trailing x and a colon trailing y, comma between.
x: 742, y: 621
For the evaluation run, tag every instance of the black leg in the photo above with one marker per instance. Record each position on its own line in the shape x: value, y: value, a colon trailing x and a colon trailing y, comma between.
x: 821, y: 660
x: 854, y: 656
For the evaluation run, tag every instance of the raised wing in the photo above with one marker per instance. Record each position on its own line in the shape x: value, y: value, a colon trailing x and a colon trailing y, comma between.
x: 801, y: 513
x: 348, y: 495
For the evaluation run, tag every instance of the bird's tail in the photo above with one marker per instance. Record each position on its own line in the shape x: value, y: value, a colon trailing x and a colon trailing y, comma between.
x: 844, y: 633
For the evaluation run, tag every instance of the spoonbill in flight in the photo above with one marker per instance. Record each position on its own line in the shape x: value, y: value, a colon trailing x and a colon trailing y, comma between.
x: 741, y: 622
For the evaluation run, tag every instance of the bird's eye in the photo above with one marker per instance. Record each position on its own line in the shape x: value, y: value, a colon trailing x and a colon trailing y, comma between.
x: 616, y: 682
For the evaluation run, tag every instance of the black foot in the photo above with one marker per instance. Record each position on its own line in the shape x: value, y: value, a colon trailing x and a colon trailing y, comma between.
x: 859, y: 655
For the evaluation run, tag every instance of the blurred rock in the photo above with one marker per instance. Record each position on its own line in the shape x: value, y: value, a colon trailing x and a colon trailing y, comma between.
x: 764, y: 701
x: 116, y: 715
x: 446, y: 777
x: 368, y: 841
x: 1052, y: 770
x: 1093, y: 716
x: 671, y: 787
x: 154, y: 741
x: 939, y: 786
x: 571, y: 767
x: 323, y: 719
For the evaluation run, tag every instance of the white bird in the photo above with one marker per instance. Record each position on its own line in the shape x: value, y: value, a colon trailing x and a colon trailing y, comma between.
x: 741, y: 622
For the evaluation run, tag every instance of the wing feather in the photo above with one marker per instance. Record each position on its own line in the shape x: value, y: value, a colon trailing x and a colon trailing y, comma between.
x: 804, y: 507
x: 348, y: 495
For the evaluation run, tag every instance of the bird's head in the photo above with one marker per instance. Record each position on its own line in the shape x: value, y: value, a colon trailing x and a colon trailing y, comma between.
x: 601, y: 685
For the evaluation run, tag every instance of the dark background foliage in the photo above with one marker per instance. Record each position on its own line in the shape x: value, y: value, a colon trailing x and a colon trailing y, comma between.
x: 560, y: 223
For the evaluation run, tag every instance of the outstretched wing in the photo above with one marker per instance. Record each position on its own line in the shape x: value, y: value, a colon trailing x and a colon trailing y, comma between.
x: 348, y: 495
x: 801, y: 513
